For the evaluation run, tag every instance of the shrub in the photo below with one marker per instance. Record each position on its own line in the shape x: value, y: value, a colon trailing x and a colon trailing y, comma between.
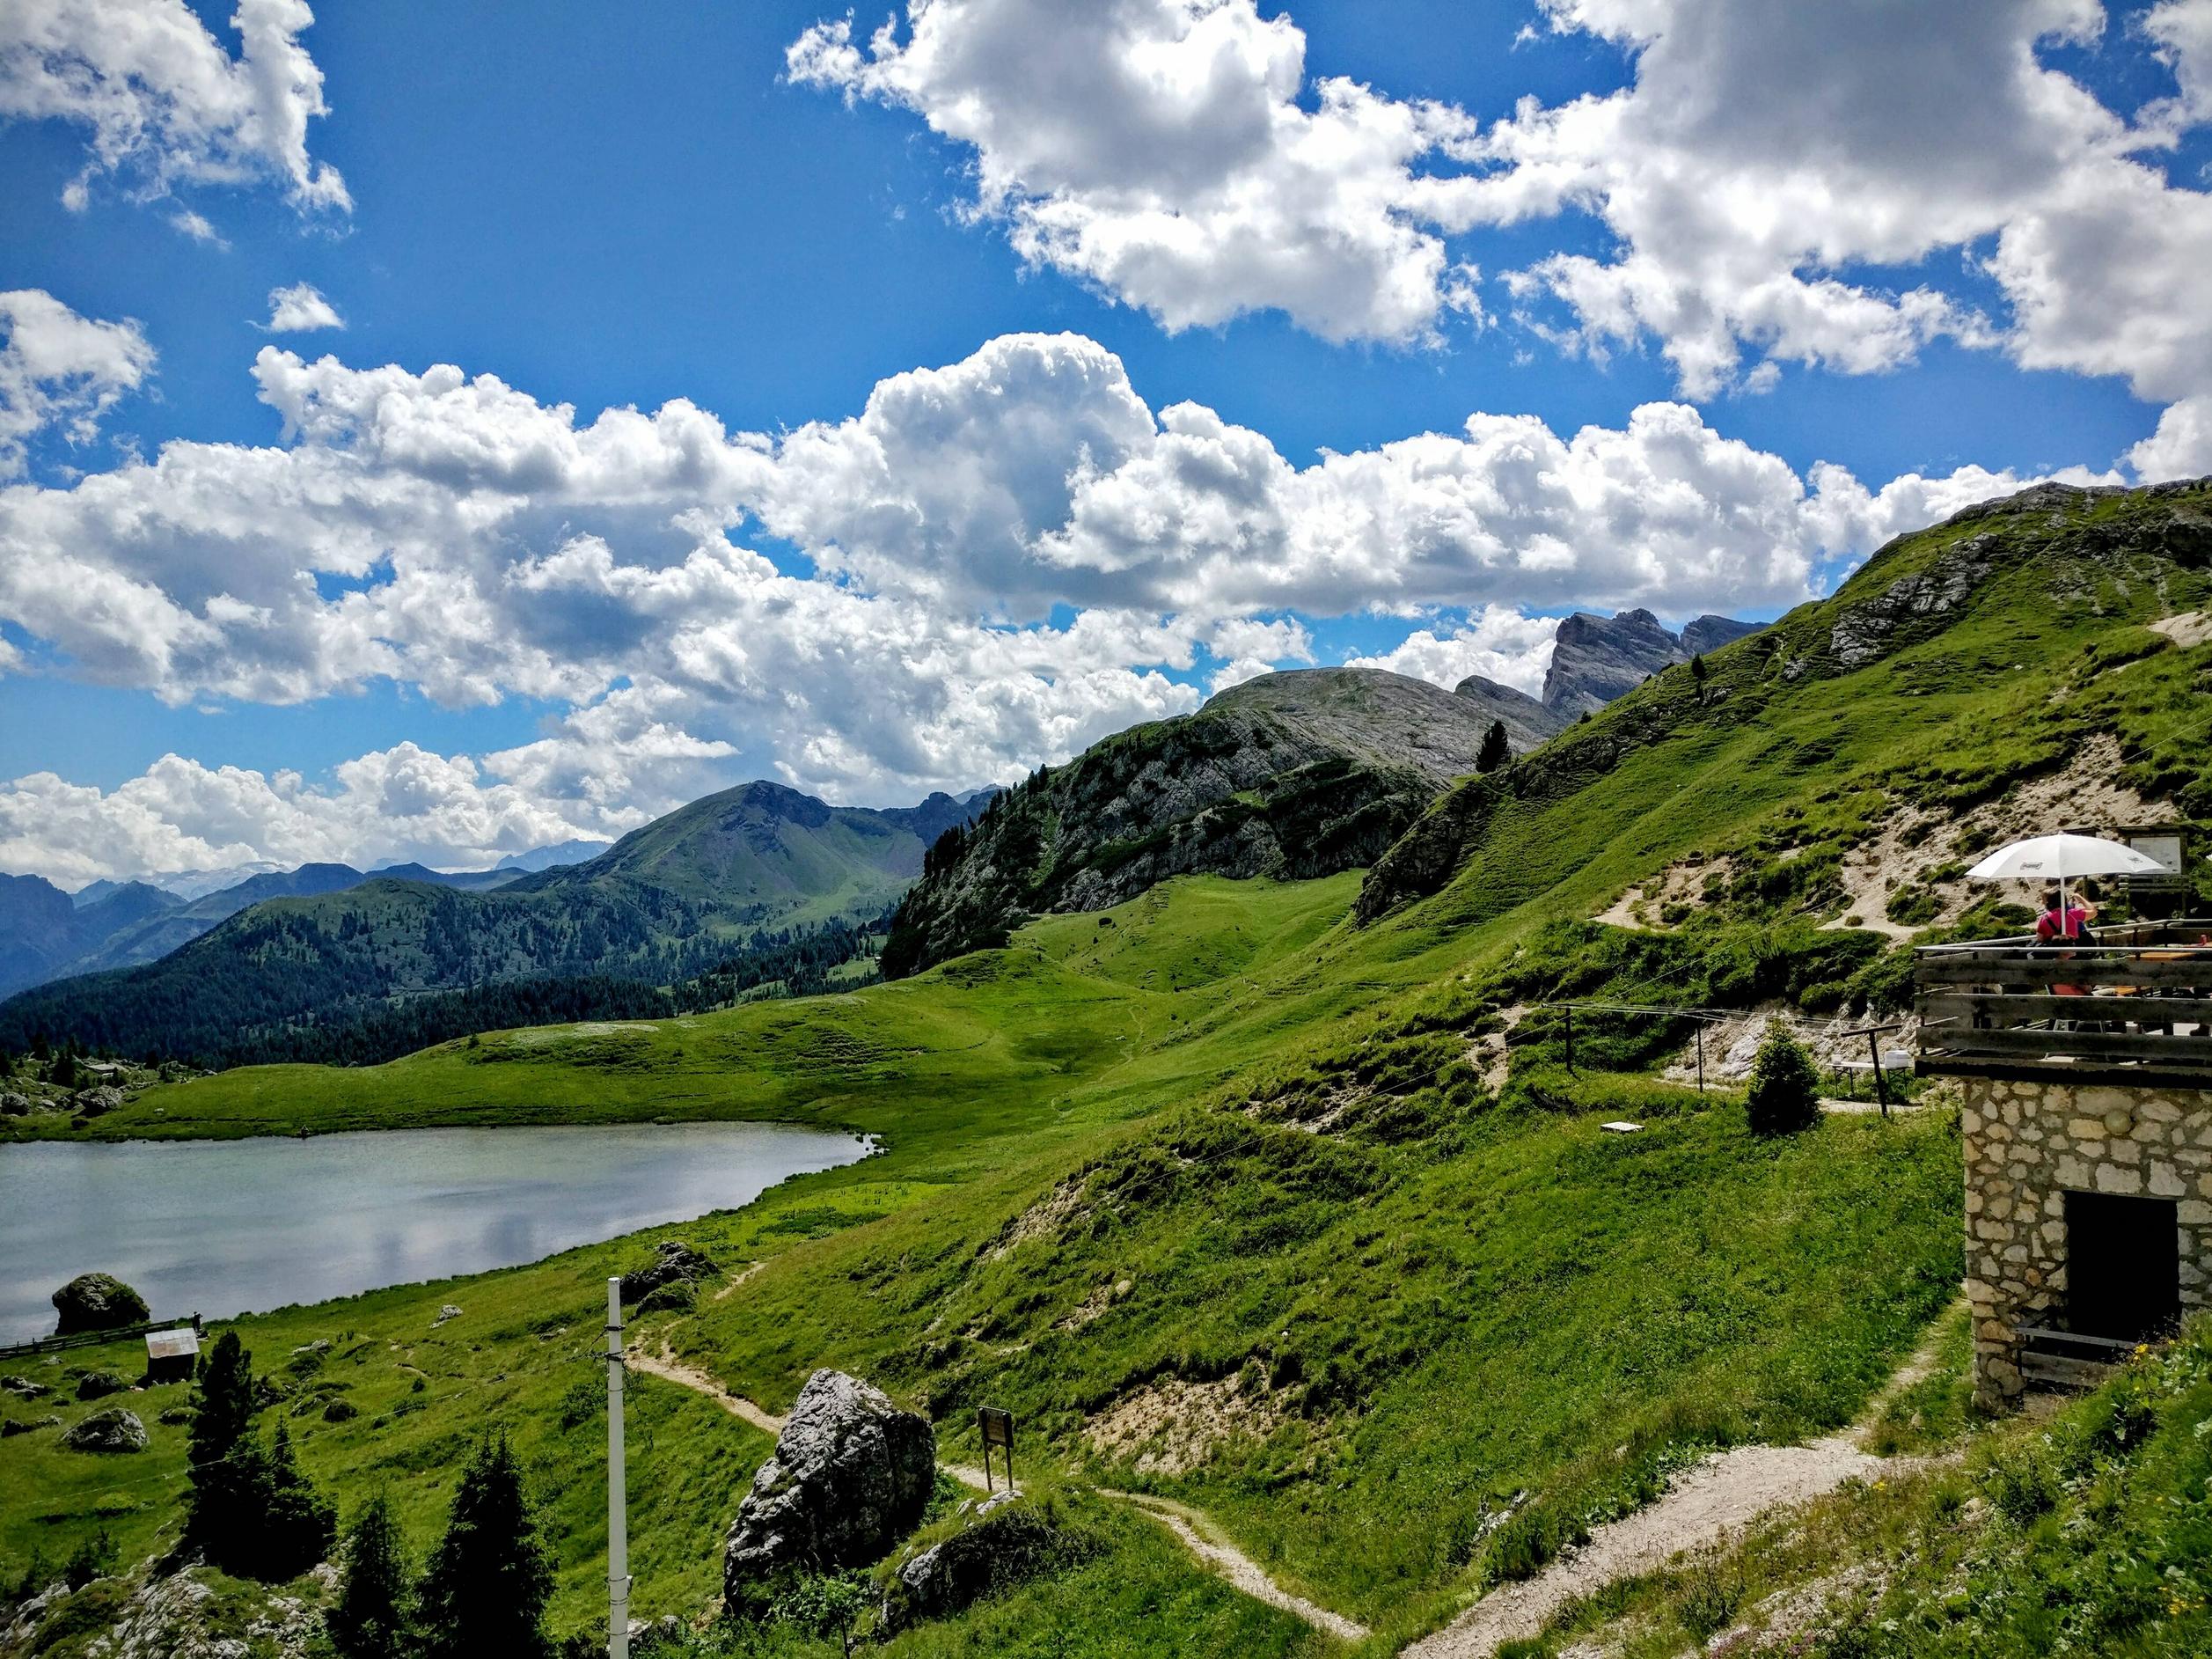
x: 1785, y: 1089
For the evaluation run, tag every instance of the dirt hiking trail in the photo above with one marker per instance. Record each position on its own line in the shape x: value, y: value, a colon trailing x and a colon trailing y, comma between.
x: 1706, y: 1503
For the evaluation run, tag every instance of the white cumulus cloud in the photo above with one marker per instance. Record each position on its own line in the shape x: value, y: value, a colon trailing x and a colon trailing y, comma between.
x: 59, y: 369
x: 301, y: 309
x: 995, y: 562
x: 163, y: 102
x: 1173, y: 154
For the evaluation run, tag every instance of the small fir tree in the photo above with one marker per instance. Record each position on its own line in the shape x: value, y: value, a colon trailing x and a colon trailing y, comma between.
x: 488, y: 1580
x: 1785, y: 1087
x: 297, y: 1524
x: 223, y: 1463
x: 1495, y: 751
x: 370, y: 1618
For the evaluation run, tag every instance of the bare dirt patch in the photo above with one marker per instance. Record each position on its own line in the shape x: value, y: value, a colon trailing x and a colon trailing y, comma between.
x: 1912, y: 842
x: 2186, y: 628
x: 1490, y: 1052
x: 1169, y: 1427
x: 1731, y: 1043
x: 1043, y: 1219
x: 1644, y: 905
x: 1094, y: 1304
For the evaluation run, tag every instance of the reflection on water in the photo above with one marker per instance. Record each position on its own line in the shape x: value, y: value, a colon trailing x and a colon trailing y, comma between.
x: 224, y: 1226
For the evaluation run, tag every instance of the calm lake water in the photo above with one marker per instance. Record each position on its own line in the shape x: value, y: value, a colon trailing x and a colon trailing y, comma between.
x: 226, y: 1227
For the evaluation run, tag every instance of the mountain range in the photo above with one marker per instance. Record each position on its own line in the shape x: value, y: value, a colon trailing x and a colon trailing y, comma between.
x: 48, y: 935
x: 749, y: 869
x: 1299, y: 774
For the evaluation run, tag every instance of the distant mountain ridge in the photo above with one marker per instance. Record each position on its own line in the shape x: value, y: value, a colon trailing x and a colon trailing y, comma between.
x: 1596, y: 659
x: 1298, y: 773
x: 747, y: 869
x: 120, y: 924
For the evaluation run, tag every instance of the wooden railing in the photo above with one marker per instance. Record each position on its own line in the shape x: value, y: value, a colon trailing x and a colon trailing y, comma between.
x: 2130, y: 997
x: 94, y: 1339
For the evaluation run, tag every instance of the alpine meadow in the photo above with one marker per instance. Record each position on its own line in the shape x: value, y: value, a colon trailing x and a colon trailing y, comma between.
x: 964, y: 1010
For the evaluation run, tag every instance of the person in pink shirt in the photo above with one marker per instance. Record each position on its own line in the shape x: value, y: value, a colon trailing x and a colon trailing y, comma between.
x: 2055, y: 926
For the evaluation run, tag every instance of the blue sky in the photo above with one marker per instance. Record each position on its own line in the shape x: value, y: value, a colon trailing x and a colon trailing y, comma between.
x: 459, y: 653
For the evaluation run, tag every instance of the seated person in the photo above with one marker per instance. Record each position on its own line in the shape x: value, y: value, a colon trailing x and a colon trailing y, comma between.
x: 2055, y: 927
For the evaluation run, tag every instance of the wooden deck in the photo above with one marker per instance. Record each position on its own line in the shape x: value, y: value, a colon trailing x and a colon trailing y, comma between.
x: 2134, y: 1002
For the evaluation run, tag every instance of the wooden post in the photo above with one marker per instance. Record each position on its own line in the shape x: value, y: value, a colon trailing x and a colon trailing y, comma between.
x: 617, y: 1521
x: 1874, y: 1053
x: 1569, y: 1010
x: 1701, y: 1056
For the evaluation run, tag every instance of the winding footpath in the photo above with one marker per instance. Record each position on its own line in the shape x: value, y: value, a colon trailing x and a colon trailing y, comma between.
x: 1707, y: 1503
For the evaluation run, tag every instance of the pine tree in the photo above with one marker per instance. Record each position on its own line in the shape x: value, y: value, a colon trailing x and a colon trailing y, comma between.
x: 222, y: 1459
x: 369, y: 1618
x: 249, y: 1509
x: 1697, y: 676
x: 1495, y: 751
x: 297, y: 1524
x: 490, y: 1576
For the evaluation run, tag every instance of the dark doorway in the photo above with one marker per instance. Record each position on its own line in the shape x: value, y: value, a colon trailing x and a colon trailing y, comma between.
x: 2123, y: 1267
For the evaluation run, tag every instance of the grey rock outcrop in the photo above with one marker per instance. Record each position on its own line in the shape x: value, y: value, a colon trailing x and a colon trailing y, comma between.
x: 97, y: 1302
x: 24, y: 1388
x: 113, y: 1430
x: 851, y: 1475
x: 1293, y: 776
x: 1710, y: 633
x: 1005, y: 1541
x: 674, y: 1263
x: 1527, y: 722
x: 100, y: 1384
x: 16, y: 1426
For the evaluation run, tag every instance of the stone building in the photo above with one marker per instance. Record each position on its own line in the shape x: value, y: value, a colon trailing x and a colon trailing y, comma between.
x: 2087, y: 1145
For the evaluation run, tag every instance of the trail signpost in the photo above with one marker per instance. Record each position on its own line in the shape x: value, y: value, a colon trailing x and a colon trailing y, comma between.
x: 997, y: 1427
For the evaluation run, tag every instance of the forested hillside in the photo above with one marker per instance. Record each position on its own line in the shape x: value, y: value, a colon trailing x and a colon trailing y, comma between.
x: 756, y: 884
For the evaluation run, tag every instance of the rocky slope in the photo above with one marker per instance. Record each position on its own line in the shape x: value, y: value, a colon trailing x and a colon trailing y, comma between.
x: 1527, y: 722
x: 1595, y: 659
x: 1294, y: 774
x: 2047, y: 551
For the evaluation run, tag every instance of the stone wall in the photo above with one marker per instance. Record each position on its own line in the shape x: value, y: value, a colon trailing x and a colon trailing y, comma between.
x: 2029, y: 1143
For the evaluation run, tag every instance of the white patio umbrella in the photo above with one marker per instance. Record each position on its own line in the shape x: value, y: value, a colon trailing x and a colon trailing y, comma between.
x: 2063, y: 857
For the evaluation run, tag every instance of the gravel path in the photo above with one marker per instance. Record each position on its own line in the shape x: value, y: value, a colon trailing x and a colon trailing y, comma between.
x: 1707, y: 1502
x: 668, y: 1369
x: 1718, y: 1496
x: 1234, y: 1565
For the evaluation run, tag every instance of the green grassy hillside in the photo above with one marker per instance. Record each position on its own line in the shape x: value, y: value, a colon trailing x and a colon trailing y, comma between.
x: 1291, y: 1209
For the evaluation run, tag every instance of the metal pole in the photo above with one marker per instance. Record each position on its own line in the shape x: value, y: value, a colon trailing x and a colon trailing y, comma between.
x: 617, y: 1522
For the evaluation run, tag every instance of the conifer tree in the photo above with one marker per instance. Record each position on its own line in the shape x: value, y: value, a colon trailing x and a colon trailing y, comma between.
x: 489, y: 1578
x: 297, y: 1524
x: 221, y: 1461
x: 1495, y: 751
x: 369, y: 1618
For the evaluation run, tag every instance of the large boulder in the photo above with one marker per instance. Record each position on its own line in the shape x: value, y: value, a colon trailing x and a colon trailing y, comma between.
x: 851, y: 1476
x: 1005, y: 1541
x: 675, y: 1263
x: 113, y: 1430
x: 98, y: 1301
x: 100, y: 1384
